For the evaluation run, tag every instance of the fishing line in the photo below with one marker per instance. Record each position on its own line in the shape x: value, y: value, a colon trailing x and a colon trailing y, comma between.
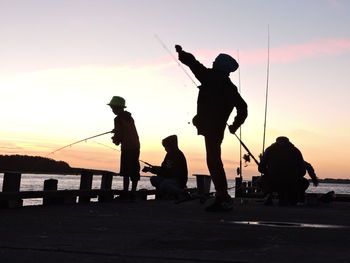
x: 114, y: 149
x: 107, y: 146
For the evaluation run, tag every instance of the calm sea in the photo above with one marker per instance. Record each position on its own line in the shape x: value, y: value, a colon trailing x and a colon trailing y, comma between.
x: 35, y: 182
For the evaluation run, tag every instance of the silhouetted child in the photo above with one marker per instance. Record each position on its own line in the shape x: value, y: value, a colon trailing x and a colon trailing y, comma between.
x: 216, y: 99
x: 172, y: 175
x: 125, y: 133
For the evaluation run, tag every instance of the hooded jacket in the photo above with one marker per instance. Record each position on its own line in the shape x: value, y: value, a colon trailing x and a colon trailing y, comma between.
x: 174, y: 165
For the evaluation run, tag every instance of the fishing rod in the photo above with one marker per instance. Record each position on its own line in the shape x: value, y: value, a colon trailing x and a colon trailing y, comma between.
x: 83, y: 140
x: 146, y: 163
x: 245, y: 147
x: 267, y: 84
x: 174, y: 58
x: 240, y: 128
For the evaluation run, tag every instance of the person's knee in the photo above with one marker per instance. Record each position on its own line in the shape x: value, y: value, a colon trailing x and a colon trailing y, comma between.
x: 304, y: 184
x: 155, y: 181
x: 215, y: 166
x: 163, y: 187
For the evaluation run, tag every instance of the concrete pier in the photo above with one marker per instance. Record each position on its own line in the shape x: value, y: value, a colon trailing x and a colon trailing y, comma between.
x: 161, y: 231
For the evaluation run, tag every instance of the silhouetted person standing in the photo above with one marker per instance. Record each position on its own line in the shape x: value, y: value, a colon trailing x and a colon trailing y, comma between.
x: 284, y: 168
x: 216, y: 99
x: 125, y: 133
x: 172, y: 175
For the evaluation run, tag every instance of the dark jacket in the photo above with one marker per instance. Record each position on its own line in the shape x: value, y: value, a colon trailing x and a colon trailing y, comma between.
x: 216, y: 99
x: 174, y: 166
x: 125, y: 132
x: 282, y: 161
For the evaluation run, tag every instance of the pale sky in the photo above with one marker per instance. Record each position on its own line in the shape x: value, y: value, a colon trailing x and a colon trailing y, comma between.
x: 62, y: 61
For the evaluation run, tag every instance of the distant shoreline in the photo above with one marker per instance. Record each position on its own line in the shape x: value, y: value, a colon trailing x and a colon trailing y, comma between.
x: 40, y: 165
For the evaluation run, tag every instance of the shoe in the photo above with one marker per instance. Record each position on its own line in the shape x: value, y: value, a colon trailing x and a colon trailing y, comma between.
x: 328, y: 197
x: 220, y: 205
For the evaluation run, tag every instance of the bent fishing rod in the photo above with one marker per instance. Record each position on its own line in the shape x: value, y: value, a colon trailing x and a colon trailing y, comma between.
x: 83, y: 140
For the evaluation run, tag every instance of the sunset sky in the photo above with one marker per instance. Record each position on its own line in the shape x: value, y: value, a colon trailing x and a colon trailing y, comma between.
x: 62, y: 61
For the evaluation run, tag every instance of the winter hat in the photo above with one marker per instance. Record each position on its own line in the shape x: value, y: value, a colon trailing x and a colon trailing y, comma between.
x: 225, y: 63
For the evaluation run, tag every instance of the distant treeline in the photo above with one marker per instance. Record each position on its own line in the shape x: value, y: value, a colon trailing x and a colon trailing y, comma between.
x: 33, y: 164
x: 335, y: 181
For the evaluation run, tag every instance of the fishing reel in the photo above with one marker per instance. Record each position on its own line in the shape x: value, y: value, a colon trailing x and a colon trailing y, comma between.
x: 246, y: 158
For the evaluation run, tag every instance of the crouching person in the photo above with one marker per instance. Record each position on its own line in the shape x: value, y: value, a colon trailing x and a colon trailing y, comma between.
x: 171, y: 177
x: 284, y: 168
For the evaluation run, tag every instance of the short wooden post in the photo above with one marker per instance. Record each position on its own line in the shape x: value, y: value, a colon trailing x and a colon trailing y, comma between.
x: 106, y: 184
x: 11, y: 183
x: 255, y: 185
x: 244, y: 188
x: 238, y: 187
x: 51, y: 185
x: 85, y: 184
x: 203, y: 183
x: 249, y: 188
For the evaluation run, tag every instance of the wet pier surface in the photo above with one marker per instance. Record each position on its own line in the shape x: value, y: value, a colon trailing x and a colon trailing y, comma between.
x: 161, y: 231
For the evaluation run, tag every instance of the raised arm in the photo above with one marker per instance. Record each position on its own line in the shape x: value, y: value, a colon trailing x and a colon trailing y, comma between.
x: 189, y: 60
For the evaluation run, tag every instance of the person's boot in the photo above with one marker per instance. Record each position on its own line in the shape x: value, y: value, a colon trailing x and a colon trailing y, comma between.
x: 221, y: 204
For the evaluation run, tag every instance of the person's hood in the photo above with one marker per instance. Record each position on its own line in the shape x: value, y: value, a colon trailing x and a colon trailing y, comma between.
x: 170, y: 141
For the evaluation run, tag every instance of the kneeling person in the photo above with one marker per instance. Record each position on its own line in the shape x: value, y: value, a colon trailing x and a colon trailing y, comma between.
x: 171, y: 177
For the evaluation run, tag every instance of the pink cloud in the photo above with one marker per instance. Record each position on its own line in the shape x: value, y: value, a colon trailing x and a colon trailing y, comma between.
x: 335, y: 3
x: 324, y: 47
x: 284, y: 54
x: 251, y: 57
